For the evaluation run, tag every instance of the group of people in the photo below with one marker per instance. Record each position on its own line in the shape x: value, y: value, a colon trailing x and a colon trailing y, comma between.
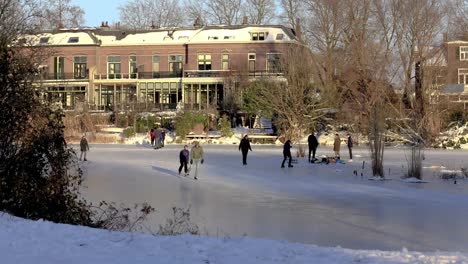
x: 313, y: 144
x: 195, y: 155
x: 157, y: 137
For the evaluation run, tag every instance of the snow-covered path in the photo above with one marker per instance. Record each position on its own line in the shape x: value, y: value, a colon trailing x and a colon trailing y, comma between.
x: 324, y: 205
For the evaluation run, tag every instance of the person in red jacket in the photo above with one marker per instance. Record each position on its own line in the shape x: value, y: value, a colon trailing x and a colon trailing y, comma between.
x: 152, y: 137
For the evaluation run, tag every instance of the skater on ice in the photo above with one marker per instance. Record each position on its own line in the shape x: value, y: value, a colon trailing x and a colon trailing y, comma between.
x: 350, y: 147
x: 287, y: 153
x: 313, y: 144
x: 244, y: 146
x: 337, y: 145
x: 152, y: 137
x: 196, y: 156
x: 184, y: 157
x: 84, y: 147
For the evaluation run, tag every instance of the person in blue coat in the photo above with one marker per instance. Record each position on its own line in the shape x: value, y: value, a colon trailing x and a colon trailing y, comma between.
x: 287, y: 153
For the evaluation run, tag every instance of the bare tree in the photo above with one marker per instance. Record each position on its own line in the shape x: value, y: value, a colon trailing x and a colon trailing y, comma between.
x: 259, y: 12
x: 295, y: 101
x: 143, y: 14
x: 195, y: 11
x: 60, y: 13
x: 324, y: 31
x: 292, y: 10
x: 458, y: 20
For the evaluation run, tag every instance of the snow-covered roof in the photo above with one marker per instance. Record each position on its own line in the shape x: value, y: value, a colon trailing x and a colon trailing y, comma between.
x: 167, y: 36
x: 67, y: 38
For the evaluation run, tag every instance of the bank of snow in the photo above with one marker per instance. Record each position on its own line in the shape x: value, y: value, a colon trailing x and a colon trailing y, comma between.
x: 24, y: 241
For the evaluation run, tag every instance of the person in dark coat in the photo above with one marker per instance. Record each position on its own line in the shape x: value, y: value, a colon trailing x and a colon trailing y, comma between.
x: 84, y: 147
x: 184, y: 156
x: 244, y: 146
x: 287, y: 153
x: 350, y: 147
x: 313, y: 144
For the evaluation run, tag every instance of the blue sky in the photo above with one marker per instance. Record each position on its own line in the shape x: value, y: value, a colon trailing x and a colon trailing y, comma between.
x: 97, y: 11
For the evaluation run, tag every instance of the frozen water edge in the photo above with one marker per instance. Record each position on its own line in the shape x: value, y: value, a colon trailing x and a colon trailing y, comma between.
x: 319, y: 204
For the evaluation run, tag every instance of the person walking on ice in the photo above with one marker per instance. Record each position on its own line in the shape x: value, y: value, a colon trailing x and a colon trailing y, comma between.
x: 196, y: 156
x: 287, y: 153
x: 313, y: 144
x: 350, y: 147
x: 184, y: 157
x: 84, y: 147
x: 244, y: 146
x: 337, y: 145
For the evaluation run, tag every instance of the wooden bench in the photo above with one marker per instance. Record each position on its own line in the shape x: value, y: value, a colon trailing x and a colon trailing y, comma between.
x: 202, y: 136
x: 263, y: 138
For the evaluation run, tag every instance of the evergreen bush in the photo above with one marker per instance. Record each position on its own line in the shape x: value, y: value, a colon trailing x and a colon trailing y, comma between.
x: 225, y: 127
x: 186, y: 121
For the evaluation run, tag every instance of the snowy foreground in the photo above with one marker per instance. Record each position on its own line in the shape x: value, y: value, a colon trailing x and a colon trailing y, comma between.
x: 23, y: 241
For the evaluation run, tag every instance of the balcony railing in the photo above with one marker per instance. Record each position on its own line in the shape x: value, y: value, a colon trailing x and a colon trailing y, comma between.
x: 63, y: 76
x: 157, y: 75
x: 140, y: 75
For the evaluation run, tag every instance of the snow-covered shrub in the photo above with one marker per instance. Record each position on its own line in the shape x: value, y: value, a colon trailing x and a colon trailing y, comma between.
x: 179, y: 224
x: 121, y: 218
x: 415, y: 162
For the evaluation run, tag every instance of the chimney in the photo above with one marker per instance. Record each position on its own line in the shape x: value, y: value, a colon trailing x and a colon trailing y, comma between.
x: 197, y: 22
x: 245, y: 20
x: 298, y: 29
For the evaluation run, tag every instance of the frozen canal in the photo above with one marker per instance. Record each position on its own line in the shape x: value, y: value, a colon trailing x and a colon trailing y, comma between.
x: 324, y: 205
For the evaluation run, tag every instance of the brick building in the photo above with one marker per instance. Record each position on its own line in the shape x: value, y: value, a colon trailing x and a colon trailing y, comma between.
x: 107, y: 69
x: 457, y: 72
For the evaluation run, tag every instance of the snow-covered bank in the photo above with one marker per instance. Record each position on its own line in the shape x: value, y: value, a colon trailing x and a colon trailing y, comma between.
x: 24, y: 241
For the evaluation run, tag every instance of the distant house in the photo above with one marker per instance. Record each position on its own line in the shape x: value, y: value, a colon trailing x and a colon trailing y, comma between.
x: 114, y: 69
x: 456, y: 87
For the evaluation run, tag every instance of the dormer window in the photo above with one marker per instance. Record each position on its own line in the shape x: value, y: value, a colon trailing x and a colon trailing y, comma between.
x: 212, y: 37
x: 228, y: 37
x: 73, y: 40
x: 279, y: 36
x: 256, y: 36
x: 44, y: 40
x: 183, y: 38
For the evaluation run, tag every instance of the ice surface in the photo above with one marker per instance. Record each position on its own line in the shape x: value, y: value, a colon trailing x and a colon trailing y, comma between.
x: 324, y: 205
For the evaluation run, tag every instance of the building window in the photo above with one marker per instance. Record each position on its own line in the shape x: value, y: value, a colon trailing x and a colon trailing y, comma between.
x: 279, y: 36
x: 80, y: 67
x: 464, y: 53
x: 132, y: 67
x: 204, y: 62
x: 59, y: 68
x: 113, y: 67
x: 273, y: 62
x: 44, y: 40
x: 175, y: 65
x: 252, y: 58
x: 259, y: 35
x: 463, y: 76
x: 156, y: 61
x: 225, y: 62
x: 73, y: 40
x: 212, y: 37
